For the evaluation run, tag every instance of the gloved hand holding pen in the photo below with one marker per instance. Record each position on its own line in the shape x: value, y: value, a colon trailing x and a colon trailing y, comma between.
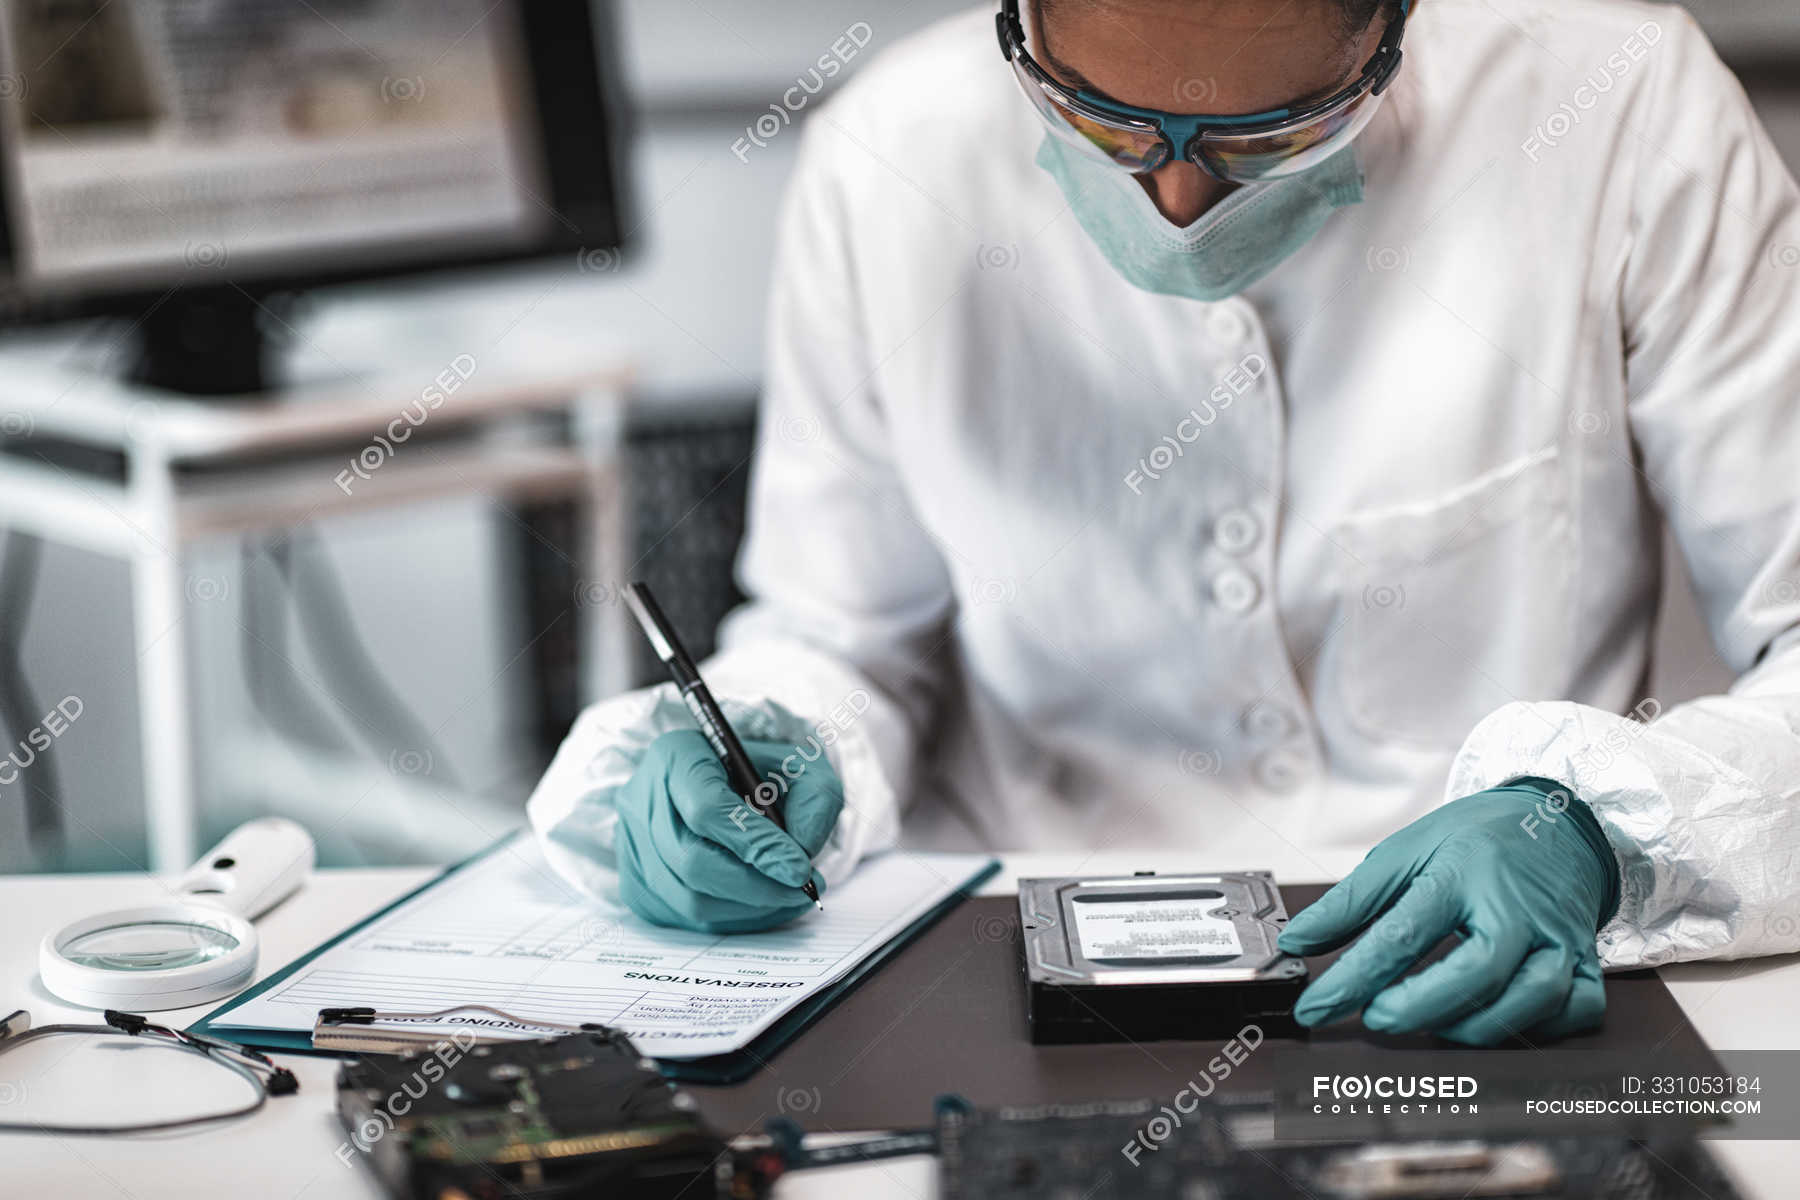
x: 704, y: 839
x: 1522, y: 872
x: 693, y: 854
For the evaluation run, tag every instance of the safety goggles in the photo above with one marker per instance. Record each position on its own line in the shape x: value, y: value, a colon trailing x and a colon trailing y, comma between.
x: 1235, y: 149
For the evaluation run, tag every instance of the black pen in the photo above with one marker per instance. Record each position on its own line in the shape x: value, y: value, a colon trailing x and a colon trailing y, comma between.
x: 757, y: 793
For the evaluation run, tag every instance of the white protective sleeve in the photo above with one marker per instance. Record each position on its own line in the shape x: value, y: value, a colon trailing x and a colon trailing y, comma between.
x: 1702, y: 803
x: 842, y: 639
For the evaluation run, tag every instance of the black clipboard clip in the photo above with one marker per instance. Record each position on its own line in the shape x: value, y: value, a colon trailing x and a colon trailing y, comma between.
x: 353, y: 1029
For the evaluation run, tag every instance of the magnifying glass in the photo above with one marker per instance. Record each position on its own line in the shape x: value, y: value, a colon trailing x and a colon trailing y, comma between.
x: 198, y: 945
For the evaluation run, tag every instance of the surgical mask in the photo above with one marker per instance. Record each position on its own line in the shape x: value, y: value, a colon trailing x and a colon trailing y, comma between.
x: 1233, y: 244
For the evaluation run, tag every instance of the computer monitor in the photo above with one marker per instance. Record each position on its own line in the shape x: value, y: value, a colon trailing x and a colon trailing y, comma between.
x: 179, y: 161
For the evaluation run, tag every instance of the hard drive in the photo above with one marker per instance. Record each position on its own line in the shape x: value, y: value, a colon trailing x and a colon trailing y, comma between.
x: 579, y: 1115
x: 1151, y: 957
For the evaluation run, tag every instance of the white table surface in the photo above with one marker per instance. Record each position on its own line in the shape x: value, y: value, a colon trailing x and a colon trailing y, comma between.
x: 286, y: 1151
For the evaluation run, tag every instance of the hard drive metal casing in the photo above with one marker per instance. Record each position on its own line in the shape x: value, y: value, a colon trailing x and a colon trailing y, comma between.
x: 1151, y: 957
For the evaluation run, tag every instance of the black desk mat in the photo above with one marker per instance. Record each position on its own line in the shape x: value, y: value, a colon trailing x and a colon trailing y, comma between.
x: 948, y: 1015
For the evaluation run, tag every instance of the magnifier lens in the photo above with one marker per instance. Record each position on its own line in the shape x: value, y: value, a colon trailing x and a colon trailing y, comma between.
x: 148, y: 946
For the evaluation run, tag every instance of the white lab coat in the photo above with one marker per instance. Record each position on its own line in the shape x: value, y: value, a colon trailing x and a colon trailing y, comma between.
x: 1051, y: 562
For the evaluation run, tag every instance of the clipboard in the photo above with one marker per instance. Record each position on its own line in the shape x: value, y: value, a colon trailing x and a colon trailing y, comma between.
x: 718, y: 1069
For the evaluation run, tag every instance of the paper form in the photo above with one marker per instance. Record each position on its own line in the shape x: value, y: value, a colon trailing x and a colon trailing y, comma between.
x: 508, y: 932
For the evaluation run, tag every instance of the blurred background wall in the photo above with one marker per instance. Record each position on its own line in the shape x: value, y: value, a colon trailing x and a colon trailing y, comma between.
x: 690, y: 302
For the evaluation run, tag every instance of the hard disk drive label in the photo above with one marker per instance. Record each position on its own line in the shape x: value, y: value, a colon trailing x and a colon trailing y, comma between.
x: 1111, y: 929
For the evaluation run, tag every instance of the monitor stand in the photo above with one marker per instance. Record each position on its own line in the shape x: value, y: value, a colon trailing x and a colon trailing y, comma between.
x: 204, y: 342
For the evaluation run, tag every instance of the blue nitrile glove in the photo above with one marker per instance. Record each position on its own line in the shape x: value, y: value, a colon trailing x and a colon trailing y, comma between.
x: 1522, y: 872
x: 694, y: 855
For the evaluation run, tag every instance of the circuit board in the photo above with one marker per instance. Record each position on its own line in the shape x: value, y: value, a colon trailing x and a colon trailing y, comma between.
x: 1127, y: 1150
x: 577, y: 1115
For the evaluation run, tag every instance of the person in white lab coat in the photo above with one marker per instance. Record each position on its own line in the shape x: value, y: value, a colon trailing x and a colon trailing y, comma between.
x: 1127, y: 478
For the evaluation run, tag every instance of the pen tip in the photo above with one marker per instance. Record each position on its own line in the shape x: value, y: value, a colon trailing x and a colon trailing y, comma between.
x: 819, y: 904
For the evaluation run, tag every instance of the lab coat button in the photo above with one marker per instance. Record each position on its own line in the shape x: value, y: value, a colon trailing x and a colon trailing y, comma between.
x: 1235, y: 591
x: 1236, y: 531
x: 1268, y: 722
x: 1226, y: 327
x: 1281, y: 770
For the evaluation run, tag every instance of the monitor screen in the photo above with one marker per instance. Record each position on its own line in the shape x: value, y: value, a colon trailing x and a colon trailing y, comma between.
x: 161, y: 143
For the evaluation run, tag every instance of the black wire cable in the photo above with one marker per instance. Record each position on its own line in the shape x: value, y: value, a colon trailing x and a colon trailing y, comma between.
x: 244, y: 1063
x: 18, y: 706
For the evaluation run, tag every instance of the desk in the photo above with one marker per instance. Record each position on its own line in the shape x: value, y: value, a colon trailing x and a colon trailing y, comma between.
x: 285, y: 1151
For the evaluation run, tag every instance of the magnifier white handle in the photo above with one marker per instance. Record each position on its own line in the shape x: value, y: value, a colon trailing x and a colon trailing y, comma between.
x: 259, y: 863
